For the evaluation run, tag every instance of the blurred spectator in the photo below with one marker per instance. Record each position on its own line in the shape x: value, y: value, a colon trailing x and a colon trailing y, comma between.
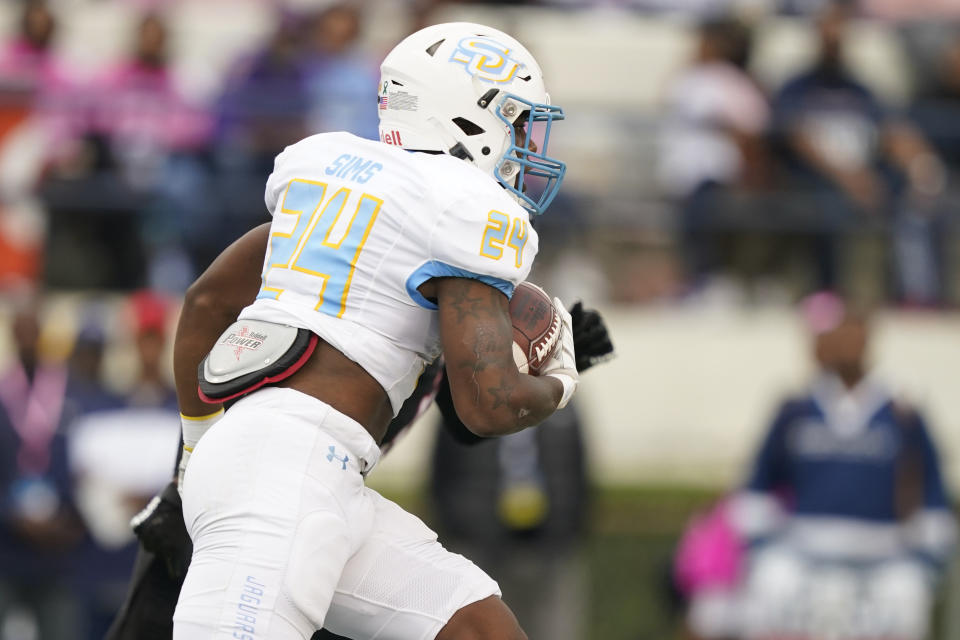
x: 152, y: 387
x: 854, y: 158
x: 517, y: 505
x: 802, y: 7
x: 711, y: 141
x: 120, y: 206
x: 85, y: 389
x: 845, y: 503
x: 708, y: 568
x: 141, y: 114
x: 341, y: 77
x: 119, y: 451
x: 38, y: 118
x: 263, y: 108
x: 28, y: 57
x: 87, y: 394
x: 265, y: 103
x: 153, y: 134
x: 39, y: 528
x: 33, y: 78
x: 937, y: 108
x: 912, y: 9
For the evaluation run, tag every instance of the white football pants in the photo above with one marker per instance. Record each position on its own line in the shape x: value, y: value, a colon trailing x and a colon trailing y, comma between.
x: 288, y: 539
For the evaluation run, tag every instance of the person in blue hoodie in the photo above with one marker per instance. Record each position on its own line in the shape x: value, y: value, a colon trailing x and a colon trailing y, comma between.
x: 845, y: 503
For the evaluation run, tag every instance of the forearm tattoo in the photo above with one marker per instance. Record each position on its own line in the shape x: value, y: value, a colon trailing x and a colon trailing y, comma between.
x: 468, y: 306
x: 479, y: 314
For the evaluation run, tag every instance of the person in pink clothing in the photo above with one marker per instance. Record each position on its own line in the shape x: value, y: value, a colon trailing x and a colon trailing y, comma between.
x: 142, y: 142
x: 28, y: 59
x: 707, y: 570
x: 37, y: 83
x: 40, y: 119
x: 139, y: 111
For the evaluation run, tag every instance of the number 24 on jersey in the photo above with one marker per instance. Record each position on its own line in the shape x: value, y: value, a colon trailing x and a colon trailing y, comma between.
x: 330, y: 255
x: 503, y: 232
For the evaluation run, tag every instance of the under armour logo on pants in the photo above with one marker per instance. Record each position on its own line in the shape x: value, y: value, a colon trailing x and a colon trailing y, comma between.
x: 333, y: 456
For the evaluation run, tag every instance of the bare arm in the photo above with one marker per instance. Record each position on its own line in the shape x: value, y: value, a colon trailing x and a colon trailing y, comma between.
x: 490, y: 395
x: 211, y: 304
x: 861, y: 184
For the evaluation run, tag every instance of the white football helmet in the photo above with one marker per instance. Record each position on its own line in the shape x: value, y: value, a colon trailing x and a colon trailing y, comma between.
x: 468, y: 90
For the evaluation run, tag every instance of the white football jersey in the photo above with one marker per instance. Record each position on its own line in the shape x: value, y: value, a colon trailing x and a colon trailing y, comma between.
x: 358, y: 225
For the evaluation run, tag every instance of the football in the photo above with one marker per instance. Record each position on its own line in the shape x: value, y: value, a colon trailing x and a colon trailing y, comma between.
x: 536, y: 327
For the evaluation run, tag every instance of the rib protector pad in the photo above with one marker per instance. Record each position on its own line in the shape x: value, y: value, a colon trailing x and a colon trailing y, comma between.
x: 250, y: 354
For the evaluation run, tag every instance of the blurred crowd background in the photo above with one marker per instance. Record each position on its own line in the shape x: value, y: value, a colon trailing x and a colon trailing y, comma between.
x: 748, y: 180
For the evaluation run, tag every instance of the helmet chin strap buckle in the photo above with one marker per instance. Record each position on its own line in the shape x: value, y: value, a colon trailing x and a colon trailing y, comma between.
x: 460, y: 151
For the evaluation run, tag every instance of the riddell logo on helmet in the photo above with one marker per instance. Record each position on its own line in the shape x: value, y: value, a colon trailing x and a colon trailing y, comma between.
x: 391, y: 137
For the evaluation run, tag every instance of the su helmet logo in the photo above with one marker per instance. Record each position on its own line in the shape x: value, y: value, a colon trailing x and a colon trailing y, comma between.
x: 486, y: 59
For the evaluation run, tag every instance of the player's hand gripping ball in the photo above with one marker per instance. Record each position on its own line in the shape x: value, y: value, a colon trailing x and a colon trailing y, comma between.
x: 536, y: 327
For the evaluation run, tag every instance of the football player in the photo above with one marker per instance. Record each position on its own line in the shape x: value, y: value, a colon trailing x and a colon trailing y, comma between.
x: 381, y: 255
x: 165, y: 548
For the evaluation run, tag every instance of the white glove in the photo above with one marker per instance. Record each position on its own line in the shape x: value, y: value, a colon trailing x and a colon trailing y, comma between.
x: 193, y: 430
x: 563, y: 364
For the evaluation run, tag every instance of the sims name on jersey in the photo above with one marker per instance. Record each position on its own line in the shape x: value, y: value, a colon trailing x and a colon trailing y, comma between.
x: 351, y: 167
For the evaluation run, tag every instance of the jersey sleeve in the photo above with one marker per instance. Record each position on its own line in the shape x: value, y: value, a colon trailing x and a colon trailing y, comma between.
x: 494, y: 243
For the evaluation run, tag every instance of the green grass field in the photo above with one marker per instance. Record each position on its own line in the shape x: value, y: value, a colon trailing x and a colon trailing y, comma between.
x: 625, y: 558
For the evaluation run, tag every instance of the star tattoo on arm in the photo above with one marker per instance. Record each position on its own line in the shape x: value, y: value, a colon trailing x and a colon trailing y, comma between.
x: 467, y: 306
x: 501, y: 395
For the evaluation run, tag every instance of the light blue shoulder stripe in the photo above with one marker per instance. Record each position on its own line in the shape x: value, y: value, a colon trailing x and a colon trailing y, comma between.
x: 436, y: 269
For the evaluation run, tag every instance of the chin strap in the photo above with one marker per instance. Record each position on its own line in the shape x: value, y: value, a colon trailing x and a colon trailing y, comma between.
x: 487, y: 98
x: 460, y: 151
